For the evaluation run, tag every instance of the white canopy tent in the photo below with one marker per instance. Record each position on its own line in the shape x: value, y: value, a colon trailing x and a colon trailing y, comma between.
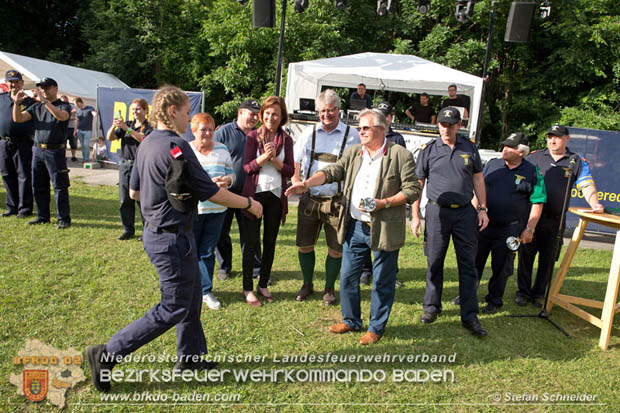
x: 395, y: 72
x: 72, y: 81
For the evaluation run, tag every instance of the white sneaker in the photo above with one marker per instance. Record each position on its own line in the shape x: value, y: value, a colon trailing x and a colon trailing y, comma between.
x: 211, y: 302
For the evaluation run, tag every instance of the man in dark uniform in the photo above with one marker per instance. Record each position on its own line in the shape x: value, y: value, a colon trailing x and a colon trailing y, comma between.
x: 233, y: 135
x: 515, y: 198
x: 130, y: 133
x: 554, y: 163
x: 51, y: 118
x: 454, y: 100
x: 452, y: 166
x: 423, y: 112
x: 16, y: 151
x: 169, y: 243
x: 361, y: 94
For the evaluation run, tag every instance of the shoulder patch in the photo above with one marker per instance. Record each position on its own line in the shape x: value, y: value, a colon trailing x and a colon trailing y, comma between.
x: 423, y: 146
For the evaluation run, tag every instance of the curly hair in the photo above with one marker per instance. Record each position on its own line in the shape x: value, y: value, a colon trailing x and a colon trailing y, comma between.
x: 165, y: 97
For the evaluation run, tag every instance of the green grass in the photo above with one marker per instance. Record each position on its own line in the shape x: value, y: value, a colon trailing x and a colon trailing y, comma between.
x: 77, y: 287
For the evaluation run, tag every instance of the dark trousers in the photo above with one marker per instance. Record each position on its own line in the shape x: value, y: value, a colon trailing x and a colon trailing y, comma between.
x: 460, y: 224
x: 50, y: 164
x: 272, y: 215
x: 493, y: 240
x: 223, y: 252
x: 72, y: 139
x: 543, y: 244
x: 174, y: 257
x: 128, y: 205
x: 16, y: 169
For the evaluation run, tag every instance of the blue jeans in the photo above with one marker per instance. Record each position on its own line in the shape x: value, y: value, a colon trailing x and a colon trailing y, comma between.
x: 207, y: 228
x: 84, y: 137
x: 384, y: 269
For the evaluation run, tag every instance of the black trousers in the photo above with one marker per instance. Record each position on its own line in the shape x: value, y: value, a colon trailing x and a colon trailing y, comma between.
x: 51, y: 164
x: 543, y: 244
x: 16, y: 170
x: 272, y: 215
x: 493, y: 240
x: 128, y: 205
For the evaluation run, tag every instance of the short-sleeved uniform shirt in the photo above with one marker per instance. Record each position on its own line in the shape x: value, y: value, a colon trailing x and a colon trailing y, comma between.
x: 129, y: 146
x: 231, y: 135
x: 421, y: 113
x: 449, y: 172
x: 149, y: 176
x: 7, y: 126
x: 48, y: 129
x: 510, y: 192
x: 326, y: 143
x: 555, y: 179
x: 85, y: 118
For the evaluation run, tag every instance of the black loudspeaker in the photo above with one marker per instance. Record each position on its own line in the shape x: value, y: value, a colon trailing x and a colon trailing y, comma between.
x: 519, y: 21
x: 264, y: 13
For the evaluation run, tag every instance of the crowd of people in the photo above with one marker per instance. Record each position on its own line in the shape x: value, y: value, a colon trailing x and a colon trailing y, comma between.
x: 354, y: 183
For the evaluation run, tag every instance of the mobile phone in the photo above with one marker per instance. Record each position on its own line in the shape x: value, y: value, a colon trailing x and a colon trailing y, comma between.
x: 118, y: 114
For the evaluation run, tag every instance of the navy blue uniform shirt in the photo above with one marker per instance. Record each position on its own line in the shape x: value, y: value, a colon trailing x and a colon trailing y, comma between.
x: 48, y: 129
x: 449, y: 172
x: 555, y: 179
x: 149, y: 176
x: 129, y: 146
x: 231, y: 135
x: 7, y: 126
x: 395, y: 137
x: 508, y: 191
x: 84, y: 118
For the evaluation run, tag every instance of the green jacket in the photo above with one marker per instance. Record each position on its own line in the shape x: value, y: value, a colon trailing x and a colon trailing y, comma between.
x: 397, y: 174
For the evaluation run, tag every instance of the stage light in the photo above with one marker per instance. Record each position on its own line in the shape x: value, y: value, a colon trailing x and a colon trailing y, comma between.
x: 545, y: 9
x: 301, y: 5
x: 464, y: 10
x: 424, y: 6
x: 340, y: 4
x: 384, y: 7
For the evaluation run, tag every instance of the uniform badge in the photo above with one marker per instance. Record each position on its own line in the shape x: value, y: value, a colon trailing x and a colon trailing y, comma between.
x: 566, y: 172
x: 518, y: 179
x: 35, y: 384
x: 465, y: 158
x: 176, y: 152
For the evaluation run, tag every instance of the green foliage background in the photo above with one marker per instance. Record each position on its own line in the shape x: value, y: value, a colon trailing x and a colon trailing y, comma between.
x: 568, y: 72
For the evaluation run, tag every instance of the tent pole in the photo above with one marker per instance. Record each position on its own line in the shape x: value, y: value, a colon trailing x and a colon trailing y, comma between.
x: 280, y: 44
x: 485, y: 70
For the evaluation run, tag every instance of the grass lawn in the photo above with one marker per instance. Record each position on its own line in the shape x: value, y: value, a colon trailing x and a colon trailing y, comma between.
x: 77, y: 287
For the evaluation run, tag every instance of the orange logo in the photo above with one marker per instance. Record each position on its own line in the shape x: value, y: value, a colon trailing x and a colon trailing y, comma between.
x: 35, y: 384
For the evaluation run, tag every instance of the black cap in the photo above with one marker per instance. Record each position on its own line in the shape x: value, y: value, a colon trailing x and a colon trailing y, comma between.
x: 516, y: 139
x: 47, y: 81
x: 251, y: 105
x: 12, y: 75
x: 449, y: 115
x: 558, y: 130
x: 385, y: 107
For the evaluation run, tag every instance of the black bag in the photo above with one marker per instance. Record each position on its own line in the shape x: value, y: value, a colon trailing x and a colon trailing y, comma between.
x: 179, y: 186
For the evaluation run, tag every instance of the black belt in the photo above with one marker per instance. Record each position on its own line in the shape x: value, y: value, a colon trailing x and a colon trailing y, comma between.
x: 51, y: 145
x: 363, y: 222
x: 451, y: 206
x: 14, y: 139
x: 173, y: 229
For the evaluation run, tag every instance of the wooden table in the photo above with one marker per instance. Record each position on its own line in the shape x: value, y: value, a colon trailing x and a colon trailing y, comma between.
x: 610, y: 306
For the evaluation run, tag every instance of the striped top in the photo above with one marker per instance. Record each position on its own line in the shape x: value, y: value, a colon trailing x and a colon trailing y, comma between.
x: 217, y: 163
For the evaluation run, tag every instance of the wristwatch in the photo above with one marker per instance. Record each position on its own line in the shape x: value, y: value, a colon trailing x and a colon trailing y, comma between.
x: 387, y: 203
x: 485, y: 209
x: 249, y: 203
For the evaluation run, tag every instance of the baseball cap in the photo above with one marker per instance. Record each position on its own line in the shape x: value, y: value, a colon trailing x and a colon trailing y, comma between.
x: 449, y: 115
x: 558, y: 130
x: 516, y: 139
x: 46, y: 81
x: 386, y: 108
x: 251, y: 105
x: 12, y: 75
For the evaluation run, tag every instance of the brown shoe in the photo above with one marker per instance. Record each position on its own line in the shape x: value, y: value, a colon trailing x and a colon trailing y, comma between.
x: 340, y: 328
x: 305, y: 291
x: 251, y: 299
x: 369, y: 338
x: 329, y: 298
x: 264, y: 292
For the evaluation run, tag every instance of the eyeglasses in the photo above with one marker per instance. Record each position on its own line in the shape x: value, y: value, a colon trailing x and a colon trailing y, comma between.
x: 367, y: 128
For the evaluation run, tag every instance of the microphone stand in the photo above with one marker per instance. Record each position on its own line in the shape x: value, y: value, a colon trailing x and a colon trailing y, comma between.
x: 558, y: 242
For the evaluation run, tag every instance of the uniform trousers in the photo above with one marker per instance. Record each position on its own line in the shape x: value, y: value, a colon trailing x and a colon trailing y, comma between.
x: 461, y: 225
x: 174, y: 257
x: 16, y: 170
x: 50, y: 164
x: 543, y: 244
x: 128, y: 205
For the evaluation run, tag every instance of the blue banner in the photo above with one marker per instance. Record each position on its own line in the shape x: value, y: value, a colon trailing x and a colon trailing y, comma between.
x: 111, y: 100
x: 602, y: 151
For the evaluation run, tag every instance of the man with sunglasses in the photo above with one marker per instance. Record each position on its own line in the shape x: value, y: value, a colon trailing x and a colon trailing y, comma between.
x: 379, y: 178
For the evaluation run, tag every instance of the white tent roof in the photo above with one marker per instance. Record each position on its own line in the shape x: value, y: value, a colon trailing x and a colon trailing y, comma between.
x: 71, y: 80
x: 395, y: 72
